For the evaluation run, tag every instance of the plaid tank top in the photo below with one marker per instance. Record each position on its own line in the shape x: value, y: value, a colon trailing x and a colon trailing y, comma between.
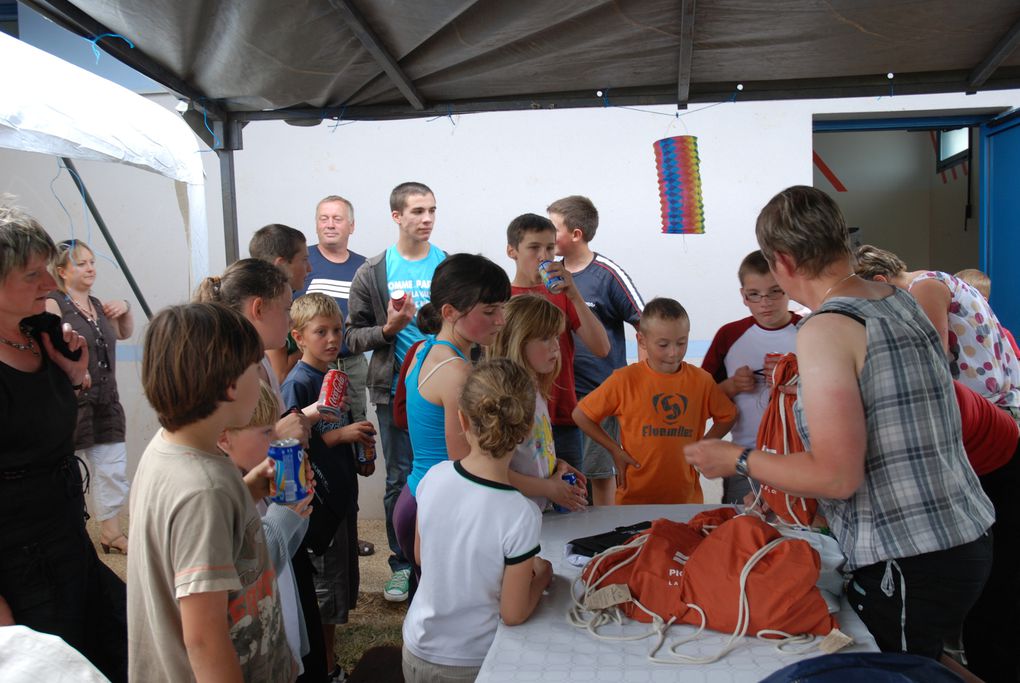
x: 919, y: 493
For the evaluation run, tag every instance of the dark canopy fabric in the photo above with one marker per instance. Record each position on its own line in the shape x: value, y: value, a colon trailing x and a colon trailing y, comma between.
x: 309, y: 57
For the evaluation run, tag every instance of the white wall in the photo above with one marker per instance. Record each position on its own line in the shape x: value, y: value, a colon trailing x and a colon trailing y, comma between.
x: 485, y: 170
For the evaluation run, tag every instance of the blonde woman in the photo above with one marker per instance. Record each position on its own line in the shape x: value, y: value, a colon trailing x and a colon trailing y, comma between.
x: 100, y: 436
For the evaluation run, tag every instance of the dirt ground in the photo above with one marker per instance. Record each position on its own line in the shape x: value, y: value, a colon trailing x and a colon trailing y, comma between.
x: 374, y: 622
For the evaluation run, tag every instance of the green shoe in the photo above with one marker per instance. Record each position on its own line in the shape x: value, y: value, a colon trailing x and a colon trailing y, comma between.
x: 398, y: 585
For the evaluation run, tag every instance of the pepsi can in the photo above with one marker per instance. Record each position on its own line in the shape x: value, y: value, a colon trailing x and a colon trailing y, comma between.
x: 291, y: 482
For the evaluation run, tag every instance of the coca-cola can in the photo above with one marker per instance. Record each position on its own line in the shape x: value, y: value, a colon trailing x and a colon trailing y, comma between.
x: 334, y: 389
x: 398, y: 296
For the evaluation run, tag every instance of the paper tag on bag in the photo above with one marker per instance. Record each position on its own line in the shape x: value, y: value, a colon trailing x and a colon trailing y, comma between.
x: 614, y: 594
x: 835, y: 641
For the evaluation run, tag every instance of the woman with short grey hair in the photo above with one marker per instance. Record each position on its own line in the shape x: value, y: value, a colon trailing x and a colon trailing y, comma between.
x: 51, y: 579
x: 878, y: 416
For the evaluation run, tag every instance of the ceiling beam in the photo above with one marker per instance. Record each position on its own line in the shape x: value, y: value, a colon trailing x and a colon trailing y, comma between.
x: 664, y: 94
x: 995, y: 58
x: 683, y: 87
x: 356, y: 22
x: 68, y: 16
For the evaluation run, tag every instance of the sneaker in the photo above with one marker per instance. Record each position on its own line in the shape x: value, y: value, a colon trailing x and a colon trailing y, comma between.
x: 337, y: 675
x: 398, y: 585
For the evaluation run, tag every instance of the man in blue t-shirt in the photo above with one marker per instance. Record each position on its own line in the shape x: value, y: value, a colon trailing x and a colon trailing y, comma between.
x: 333, y: 266
x: 375, y: 323
x: 611, y: 295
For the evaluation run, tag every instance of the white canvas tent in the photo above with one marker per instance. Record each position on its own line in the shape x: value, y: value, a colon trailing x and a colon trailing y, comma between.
x: 52, y: 107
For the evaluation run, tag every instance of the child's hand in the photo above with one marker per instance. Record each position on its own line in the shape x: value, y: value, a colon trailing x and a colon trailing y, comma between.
x: 260, y: 479
x: 556, y: 269
x: 573, y: 498
x: 359, y: 432
x: 622, y: 461
x: 743, y: 379
x: 303, y: 507
x: 542, y: 572
x: 563, y: 467
x: 294, y: 425
x: 366, y: 469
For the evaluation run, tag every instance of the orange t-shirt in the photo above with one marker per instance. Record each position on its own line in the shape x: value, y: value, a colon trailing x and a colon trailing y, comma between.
x: 659, y: 414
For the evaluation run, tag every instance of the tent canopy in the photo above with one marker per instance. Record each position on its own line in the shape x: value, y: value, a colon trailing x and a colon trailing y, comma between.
x: 52, y: 107
x: 379, y: 59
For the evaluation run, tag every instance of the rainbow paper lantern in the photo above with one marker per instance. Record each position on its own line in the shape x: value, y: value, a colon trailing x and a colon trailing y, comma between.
x: 676, y: 160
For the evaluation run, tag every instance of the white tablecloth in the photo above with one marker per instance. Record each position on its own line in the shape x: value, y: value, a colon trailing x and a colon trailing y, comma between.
x: 548, y: 648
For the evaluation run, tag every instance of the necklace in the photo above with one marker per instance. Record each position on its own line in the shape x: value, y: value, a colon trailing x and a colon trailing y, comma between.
x: 30, y: 346
x: 826, y: 295
x: 87, y: 313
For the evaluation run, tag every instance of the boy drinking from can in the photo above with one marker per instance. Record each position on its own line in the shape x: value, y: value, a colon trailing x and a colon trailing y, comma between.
x: 531, y: 240
x: 332, y: 531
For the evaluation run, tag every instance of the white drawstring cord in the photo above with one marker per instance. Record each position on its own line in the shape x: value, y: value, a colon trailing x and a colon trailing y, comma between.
x: 889, y: 589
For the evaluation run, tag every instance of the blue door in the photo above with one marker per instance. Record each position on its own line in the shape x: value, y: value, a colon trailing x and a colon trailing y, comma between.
x: 1000, y: 215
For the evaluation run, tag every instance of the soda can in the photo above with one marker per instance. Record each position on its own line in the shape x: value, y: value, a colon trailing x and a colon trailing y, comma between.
x: 366, y: 454
x: 571, y: 479
x: 291, y: 482
x: 334, y: 389
x: 398, y: 296
x: 552, y: 283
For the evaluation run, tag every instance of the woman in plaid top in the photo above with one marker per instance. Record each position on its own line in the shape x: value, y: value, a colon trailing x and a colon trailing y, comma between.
x: 879, y: 418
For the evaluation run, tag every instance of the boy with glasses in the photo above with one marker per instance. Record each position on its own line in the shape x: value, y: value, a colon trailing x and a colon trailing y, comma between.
x: 736, y: 358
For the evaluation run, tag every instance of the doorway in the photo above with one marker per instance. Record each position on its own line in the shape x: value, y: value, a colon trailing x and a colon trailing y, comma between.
x: 887, y: 178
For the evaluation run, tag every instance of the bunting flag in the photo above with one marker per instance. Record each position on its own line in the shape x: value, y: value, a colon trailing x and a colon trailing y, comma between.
x: 676, y: 160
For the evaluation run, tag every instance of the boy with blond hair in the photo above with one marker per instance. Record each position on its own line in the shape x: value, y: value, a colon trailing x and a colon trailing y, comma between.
x: 283, y: 525
x: 614, y: 299
x: 202, y: 592
x: 662, y: 405
x: 531, y: 239
x: 736, y: 357
x: 333, y: 529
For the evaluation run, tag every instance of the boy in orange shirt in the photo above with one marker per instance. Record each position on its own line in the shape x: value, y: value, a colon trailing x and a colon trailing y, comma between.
x: 662, y: 405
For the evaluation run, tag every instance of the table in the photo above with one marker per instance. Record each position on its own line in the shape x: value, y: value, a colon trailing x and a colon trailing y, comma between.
x: 548, y: 648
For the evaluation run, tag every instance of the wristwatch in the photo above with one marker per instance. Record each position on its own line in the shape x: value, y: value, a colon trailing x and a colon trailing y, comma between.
x: 742, y: 469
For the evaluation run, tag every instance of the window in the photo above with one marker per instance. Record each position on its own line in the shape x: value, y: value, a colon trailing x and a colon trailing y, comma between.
x: 953, y: 148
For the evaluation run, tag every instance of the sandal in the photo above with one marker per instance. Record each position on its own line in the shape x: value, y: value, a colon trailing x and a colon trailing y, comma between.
x: 121, y: 547
x: 365, y: 548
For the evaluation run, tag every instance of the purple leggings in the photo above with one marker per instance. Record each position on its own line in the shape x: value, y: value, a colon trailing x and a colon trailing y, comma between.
x: 405, y: 518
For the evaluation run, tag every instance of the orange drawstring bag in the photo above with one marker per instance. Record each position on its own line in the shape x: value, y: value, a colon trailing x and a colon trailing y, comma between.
x: 651, y: 565
x: 777, y: 433
x: 778, y: 592
x: 731, y: 574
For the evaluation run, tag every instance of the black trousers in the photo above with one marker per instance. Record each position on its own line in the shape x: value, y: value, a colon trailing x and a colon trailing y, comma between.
x: 990, y: 636
x: 940, y: 588
x: 315, y: 661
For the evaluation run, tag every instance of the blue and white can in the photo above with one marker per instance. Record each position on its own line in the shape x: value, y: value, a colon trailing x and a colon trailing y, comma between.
x: 291, y: 481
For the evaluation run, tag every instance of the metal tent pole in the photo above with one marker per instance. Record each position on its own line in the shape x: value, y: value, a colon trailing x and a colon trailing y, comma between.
x: 106, y: 234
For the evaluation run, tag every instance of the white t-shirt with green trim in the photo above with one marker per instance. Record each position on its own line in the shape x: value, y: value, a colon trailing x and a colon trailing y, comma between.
x: 471, y: 529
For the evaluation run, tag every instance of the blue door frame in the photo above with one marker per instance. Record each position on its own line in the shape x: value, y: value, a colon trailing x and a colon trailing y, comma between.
x: 1000, y: 214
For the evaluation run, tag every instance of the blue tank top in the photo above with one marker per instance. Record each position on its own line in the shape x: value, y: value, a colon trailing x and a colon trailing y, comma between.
x: 426, y: 422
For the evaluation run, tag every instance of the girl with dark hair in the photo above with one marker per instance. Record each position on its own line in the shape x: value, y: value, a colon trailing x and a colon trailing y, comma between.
x: 468, y: 293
